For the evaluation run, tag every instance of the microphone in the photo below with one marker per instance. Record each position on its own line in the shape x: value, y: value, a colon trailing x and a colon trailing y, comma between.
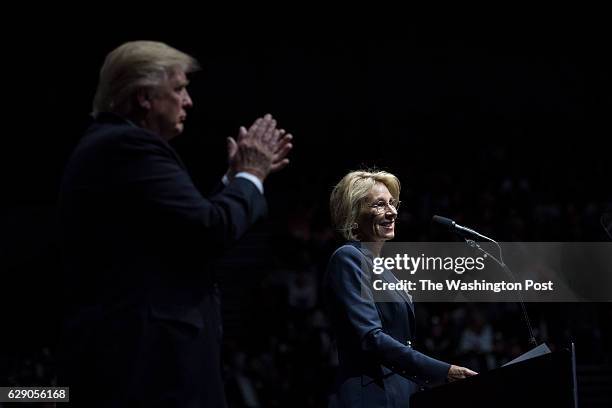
x: 468, y: 234
x: 465, y: 232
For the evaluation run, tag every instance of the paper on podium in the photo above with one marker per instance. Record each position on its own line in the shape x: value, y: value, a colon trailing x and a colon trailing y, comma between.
x: 534, y: 352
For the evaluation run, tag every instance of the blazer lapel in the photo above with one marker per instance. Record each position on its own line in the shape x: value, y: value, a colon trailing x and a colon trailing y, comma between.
x: 388, y: 277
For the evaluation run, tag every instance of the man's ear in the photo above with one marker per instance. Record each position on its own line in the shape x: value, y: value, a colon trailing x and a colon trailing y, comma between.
x: 144, y: 99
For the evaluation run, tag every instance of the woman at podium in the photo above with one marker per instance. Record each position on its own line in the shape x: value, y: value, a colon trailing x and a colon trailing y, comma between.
x: 378, y: 366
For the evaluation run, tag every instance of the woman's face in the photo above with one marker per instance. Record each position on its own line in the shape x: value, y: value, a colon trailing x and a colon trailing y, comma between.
x: 377, y: 220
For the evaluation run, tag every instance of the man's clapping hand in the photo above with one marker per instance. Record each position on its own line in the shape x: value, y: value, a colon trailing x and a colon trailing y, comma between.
x: 260, y: 150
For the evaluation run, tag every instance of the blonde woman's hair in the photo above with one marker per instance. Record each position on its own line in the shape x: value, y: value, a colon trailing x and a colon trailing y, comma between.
x: 134, y: 66
x: 348, y: 196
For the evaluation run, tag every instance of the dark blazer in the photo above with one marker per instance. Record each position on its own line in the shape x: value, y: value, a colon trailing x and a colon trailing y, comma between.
x: 377, y: 365
x: 143, y: 325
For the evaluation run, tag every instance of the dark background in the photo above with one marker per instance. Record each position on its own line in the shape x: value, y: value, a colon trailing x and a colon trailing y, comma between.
x: 502, y: 127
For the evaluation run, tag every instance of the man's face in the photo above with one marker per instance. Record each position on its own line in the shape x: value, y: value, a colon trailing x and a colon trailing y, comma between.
x: 168, y: 103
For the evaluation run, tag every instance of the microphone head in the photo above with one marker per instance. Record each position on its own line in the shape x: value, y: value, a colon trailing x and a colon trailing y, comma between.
x: 447, y: 222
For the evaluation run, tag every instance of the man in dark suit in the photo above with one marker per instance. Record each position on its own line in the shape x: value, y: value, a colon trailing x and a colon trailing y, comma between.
x: 142, y: 325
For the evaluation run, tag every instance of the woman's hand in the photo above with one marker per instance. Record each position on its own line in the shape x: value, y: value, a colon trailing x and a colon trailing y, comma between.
x: 459, y: 373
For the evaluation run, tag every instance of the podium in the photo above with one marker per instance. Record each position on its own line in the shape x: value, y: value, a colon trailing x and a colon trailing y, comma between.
x: 548, y: 380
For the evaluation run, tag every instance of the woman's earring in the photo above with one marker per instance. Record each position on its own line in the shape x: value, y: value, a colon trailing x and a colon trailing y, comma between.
x: 354, y: 226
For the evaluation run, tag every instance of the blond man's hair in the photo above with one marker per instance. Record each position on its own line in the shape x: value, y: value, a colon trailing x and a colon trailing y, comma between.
x: 135, y: 66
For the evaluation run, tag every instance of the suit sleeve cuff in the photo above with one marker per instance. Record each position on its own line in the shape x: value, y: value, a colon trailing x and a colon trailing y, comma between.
x: 243, y: 174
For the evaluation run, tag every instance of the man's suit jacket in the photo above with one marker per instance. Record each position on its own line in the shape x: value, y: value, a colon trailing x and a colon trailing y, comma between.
x: 377, y: 365
x: 143, y: 325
